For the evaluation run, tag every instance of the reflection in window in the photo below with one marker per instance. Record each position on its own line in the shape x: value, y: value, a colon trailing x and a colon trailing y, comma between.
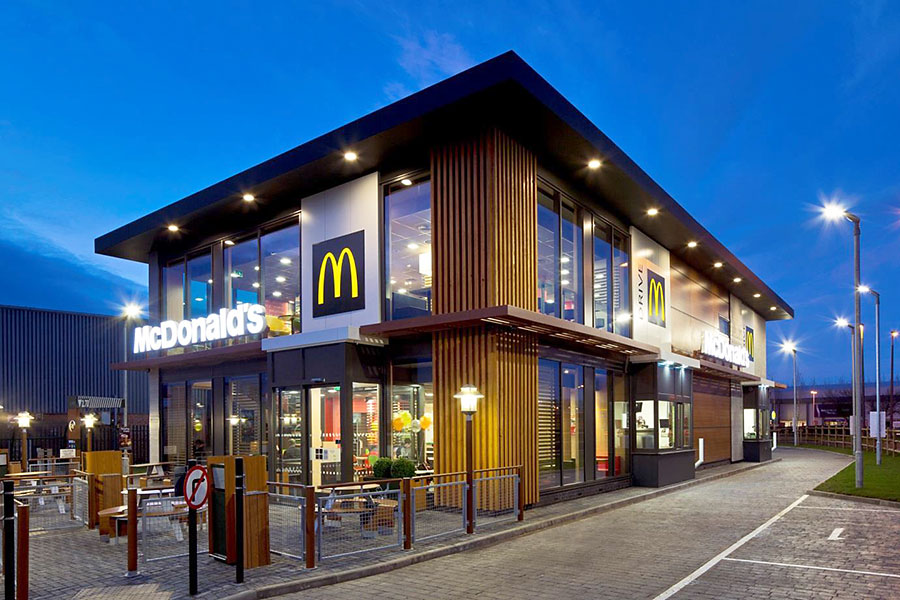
x: 280, y: 251
x: 621, y: 287
x: 602, y: 256
x: 547, y: 254
x: 666, y: 424
x: 242, y: 273
x: 408, y: 256
x: 601, y: 424
x: 173, y: 297
x: 243, y: 422
x: 683, y: 417
x: 200, y: 285
x: 289, y: 437
x: 645, y: 424
x: 572, y: 424
x: 570, y: 266
x: 366, y: 398
x: 201, y: 418
x: 548, y: 424
x: 172, y: 432
x: 325, y: 441
x: 412, y: 413
x: 621, y: 425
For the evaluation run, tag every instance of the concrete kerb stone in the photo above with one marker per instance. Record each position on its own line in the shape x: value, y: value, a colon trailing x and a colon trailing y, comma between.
x: 861, y: 499
x: 477, y: 542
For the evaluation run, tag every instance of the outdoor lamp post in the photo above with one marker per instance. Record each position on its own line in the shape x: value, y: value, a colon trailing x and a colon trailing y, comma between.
x: 867, y: 290
x: 813, y: 393
x: 89, y: 421
x: 894, y: 334
x: 835, y: 212
x: 130, y: 312
x: 23, y: 420
x: 791, y: 348
x: 468, y: 403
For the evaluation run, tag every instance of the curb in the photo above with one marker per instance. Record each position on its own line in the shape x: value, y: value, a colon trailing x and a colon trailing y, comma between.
x: 287, y: 587
x: 860, y: 499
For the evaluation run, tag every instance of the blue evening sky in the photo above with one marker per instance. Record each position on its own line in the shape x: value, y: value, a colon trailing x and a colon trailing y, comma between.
x: 747, y: 113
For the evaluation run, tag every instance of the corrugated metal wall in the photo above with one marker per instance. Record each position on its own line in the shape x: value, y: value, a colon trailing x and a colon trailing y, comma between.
x: 47, y: 356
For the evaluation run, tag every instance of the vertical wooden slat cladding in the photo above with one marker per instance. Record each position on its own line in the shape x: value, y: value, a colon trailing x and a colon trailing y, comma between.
x: 484, y: 207
x: 712, y: 417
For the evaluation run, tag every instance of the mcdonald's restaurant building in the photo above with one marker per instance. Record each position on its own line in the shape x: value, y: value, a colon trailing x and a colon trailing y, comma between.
x: 322, y: 308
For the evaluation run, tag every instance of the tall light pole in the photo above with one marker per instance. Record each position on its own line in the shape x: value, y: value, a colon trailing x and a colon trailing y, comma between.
x: 813, y: 393
x: 866, y: 289
x: 791, y: 348
x: 130, y: 312
x: 841, y: 322
x: 468, y: 403
x: 836, y: 212
x: 894, y: 334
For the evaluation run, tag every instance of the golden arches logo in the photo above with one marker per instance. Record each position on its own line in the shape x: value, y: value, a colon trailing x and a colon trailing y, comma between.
x: 656, y: 300
x: 337, y: 267
x: 749, y: 342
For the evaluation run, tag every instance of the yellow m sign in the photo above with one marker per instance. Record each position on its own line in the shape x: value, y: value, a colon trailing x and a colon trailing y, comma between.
x: 337, y: 267
x: 345, y: 257
x: 656, y: 299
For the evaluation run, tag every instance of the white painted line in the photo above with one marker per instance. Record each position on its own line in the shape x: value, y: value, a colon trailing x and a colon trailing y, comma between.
x: 719, y: 557
x: 878, y: 510
x: 763, y: 562
x: 836, y: 534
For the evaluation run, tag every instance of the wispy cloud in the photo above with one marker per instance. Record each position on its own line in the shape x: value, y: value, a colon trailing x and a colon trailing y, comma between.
x: 427, y: 58
x: 875, y: 39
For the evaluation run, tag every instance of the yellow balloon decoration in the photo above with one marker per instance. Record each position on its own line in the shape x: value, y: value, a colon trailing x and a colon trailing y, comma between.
x: 397, y: 424
x: 406, y: 417
x: 425, y: 422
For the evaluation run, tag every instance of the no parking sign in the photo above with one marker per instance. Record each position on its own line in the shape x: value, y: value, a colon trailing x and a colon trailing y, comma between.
x: 196, y: 487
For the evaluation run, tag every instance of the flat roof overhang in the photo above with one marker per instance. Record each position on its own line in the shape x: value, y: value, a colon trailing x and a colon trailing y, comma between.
x: 201, y: 358
x: 714, y: 369
x: 520, y: 320
x: 505, y: 92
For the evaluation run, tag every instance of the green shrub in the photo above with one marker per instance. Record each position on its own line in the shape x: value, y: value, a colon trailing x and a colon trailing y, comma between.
x: 382, y: 468
x: 403, y: 467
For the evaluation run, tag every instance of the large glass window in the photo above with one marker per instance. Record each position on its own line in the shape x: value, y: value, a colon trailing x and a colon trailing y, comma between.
x: 412, y: 413
x: 572, y: 424
x: 601, y: 423
x: 243, y: 421
x: 280, y: 251
x: 325, y: 440
x: 548, y: 424
x: 366, y: 398
x: 667, y: 424
x: 602, y: 256
x: 547, y: 254
x: 408, y: 257
x: 200, y: 284
x: 570, y: 265
x: 289, y: 437
x: 173, y: 292
x: 621, y: 426
x: 645, y: 424
x: 621, y: 287
x: 173, y: 436
x: 242, y: 273
x: 201, y: 414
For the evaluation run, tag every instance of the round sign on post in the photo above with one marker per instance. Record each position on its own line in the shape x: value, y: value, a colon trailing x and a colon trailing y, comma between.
x: 196, y: 487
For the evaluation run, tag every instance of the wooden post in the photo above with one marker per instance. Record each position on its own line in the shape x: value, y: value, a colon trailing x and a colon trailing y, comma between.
x: 406, y: 487
x: 132, y: 533
x: 521, y: 507
x: 310, y: 533
x: 9, y: 541
x: 470, y: 478
x: 24, y: 450
x: 22, y: 554
x: 239, y: 518
x: 92, y: 500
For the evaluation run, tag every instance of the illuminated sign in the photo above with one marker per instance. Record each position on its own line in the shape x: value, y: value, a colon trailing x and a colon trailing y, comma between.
x: 656, y: 299
x: 339, y: 274
x: 749, y: 342
x: 717, y: 345
x: 246, y: 319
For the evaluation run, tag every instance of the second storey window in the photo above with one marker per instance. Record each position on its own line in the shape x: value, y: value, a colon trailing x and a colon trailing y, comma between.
x: 407, y: 248
x: 560, y: 243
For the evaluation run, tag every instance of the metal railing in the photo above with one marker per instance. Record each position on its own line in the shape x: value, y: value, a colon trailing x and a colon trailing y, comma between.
x: 496, y: 495
x: 80, y: 499
x: 351, y: 522
x: 438, y: 505
x: 287, y: 519
x: 162, y: 529
x: 838, y: 436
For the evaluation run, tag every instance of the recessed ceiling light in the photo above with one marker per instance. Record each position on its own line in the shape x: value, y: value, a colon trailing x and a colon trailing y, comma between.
x: 281, y: 279
x: 350, y: 155
x: 757, y: 295
x: 564, y: 259
x: 249, y: 197
x: 717, y: 265
x: 564, y: 282
x: 401, y: 291
x: 773, y: 308
x: 406, y: 182
x: 412, y: 246
x: 737, y: 280
x: 229, y: 243
x: 285, y: 261
x: 277, y: 294
x: 256, y: 284
x: 652, y: 212
x: 172, y: 227
x: 692, y: 244
x: 594, y: 163
x: 198, y: 299
x: 209, y: 281
x: 564, y: 272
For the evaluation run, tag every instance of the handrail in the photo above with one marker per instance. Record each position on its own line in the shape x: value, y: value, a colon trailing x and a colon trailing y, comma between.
x: 359, y: 483
x: 18, y: 478
x: 437, y: 475
x: 289, y: 485
x: 508, y: 468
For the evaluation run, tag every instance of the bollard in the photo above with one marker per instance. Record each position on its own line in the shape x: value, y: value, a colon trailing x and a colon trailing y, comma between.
x: 521, y: 494
x: 406, y: 486
x: 132, y: 533
x: 192, y: 540
x: 9, y: 542
x: 22, y: 554
x: 239, y: 518
x: 310, y: 532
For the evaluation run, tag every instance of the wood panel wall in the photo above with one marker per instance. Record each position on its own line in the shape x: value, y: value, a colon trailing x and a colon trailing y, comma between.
x: 712, y: 417
x: 484, y: 211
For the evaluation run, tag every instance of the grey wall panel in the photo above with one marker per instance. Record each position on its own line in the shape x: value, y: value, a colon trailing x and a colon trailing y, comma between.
x: 47, y: 356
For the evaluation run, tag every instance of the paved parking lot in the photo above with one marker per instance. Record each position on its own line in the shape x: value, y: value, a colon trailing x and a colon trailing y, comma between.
x: 643, y: 550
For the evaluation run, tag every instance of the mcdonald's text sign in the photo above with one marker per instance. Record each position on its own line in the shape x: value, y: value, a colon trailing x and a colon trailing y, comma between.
x: 338, y: 273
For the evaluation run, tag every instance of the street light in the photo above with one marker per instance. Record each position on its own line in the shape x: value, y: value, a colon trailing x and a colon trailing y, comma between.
x: 790, y: 347
x: 89, y: 421
x: 813, y: 393
x: 130, y: 312
x: 23, y: 420
x: 864, y: 289
x: 894, y: 334
x: 468, y: 403
x: 833, y: 211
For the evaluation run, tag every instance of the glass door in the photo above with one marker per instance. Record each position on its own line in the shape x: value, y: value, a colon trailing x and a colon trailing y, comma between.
x: 289, y: 436
x: 325, y: 434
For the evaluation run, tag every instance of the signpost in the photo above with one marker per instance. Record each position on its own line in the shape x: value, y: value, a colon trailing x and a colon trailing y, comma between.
x: 196, y: 493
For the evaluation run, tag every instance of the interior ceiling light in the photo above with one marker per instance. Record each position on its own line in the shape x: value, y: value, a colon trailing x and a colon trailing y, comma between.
x: 350, y: 156
x: 281, y: 279
x: 406, y: 182
x: 229, y: 243
x: 277, y: 294
x: 692, y: 244
x: 285, y: 261
x: 594, y: 163
x: 172, y: 227
x: 249, y: 197
x: 652, y: 212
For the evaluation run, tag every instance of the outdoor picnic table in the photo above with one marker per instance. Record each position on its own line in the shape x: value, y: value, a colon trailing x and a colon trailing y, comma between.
x: 118, y: 514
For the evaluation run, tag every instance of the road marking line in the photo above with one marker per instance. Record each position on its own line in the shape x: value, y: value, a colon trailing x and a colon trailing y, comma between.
x: 836, y: 534
x: 718, y: 558
x: 879, y: 510
x: 777, y: 564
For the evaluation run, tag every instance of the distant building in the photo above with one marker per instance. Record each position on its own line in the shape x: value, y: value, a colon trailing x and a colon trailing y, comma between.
x: 832, y: 404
